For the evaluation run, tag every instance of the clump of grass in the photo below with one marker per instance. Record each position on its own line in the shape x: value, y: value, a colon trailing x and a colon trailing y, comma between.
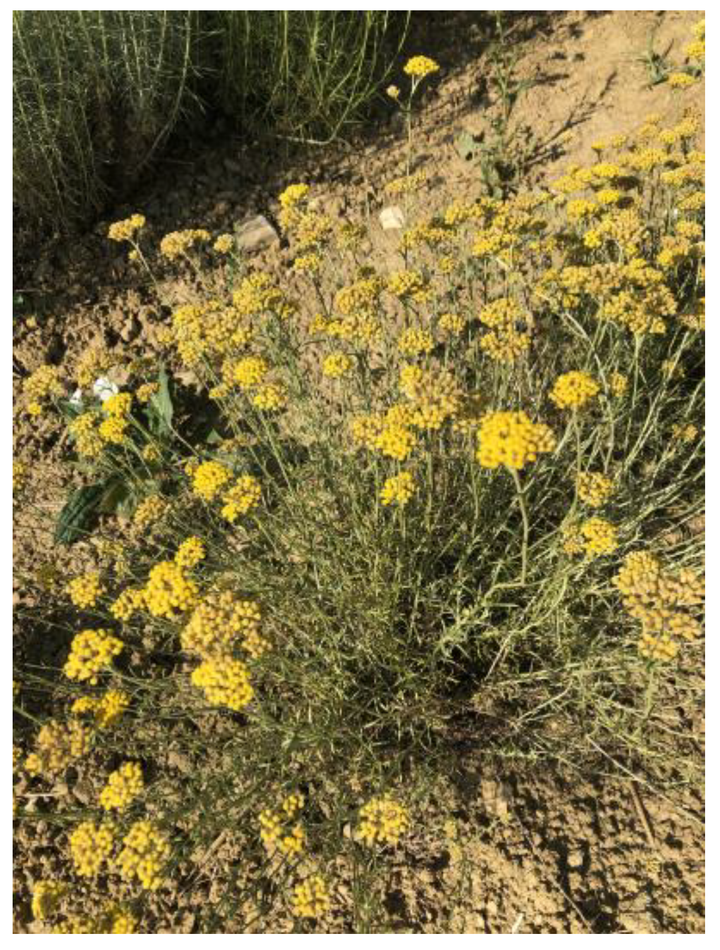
x: 97, y: 93
x: 401, y: 509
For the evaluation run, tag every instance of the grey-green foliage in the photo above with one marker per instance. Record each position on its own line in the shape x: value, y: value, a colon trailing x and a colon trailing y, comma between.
x: 95, y: 93
x: 304, y: 73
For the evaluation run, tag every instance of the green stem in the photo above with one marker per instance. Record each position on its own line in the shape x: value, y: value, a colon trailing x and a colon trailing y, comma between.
x: 526, y: 524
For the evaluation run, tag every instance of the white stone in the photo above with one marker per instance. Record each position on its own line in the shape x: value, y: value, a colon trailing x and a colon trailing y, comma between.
x: 255, y: 234
x: 392, y: 219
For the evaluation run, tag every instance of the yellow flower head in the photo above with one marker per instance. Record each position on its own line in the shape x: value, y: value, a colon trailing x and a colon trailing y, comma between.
x: 91, y: 846
x: 400, y: 489
x: 56, y: 746
x: 144, y: 854
x: 383, y: 821
x: 190, y: 553
x: 123, y: 787
x: 512, y: 439
x: 311, y: 898
x: 241, y: 497
x: 225, y: 682
x: 169, y: 592
x: 336, y: 365
x: 420, y: 66
x: 85, y: 590
x: 224, y: 243
x: 219, y: 622
x: 179, y: 242
x: 600, y: 537
x: 209, y: 479
x: 574, y: 390
x: 293, y: 195
x: 125, y: 230
x: 91, y: 651
x: 594, y: 488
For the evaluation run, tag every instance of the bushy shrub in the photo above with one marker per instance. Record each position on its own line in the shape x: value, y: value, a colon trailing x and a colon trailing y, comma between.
x: 413, y: 503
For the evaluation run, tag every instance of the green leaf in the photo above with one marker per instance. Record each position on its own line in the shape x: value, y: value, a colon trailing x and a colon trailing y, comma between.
x: 465, y: 145
x: 161, y: 403
x: 80, y: 509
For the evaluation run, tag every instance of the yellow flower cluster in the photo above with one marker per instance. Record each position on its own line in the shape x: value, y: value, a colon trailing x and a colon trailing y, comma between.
x: 433, y: 394
x: 415, y: 341
x: 420, y: 66
x: 225, y: 682
x: 209, y: 329
x: 123, y: 786
x: 148, y: 511
x: 56, y: 746
x: 218, y: 622
x: 653, y: 595
x: 179, y: 242
x: 257, y: 293
x: 249, y: 372
x: 190, y: 553
x: 224, y: 243
x: 119, y: 404
x: 360, y: 297
x: 451, y: 323
x: 209, y: 478
x: 46, y: 898
x: 125, y: 230
x: 144, y: 855
x: 90, y: 652
x: 293, y: 195
x: 91, y: 846
x: 433, y: 234
x: 241, y: 497
x: 618, y: 384
x: 146, y: 391
x: 574, y: 390
x: 85, y: 590
x: 125, y: 605
x: 169, y: 592
x: 509, y: 336
x: 594, y: 488
x: 382, y: 821
x: 684, y: 433
x: 85, y: 431
x: 114, y: 920
x: 400, y: 488
x: 275, y: 832
x: 512, y: 439
x: 406, y: 184
x: 681, y: 80
x: 106, y: 709
x: 408, y: 285
x: 269, y: 396
x: 599, y: 537
x: 311, y: 898
x: 42, y: 384
x: 336, y: 365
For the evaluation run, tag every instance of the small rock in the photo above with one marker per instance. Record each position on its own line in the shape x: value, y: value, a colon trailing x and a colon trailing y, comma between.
x: 392, y: 219
x: 576, y: 858
x: 255, y: 234
x: 496, y: 798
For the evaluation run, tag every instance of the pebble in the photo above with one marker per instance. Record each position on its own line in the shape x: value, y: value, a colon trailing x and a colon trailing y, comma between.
x: 256, y: 233
x: 392, y: 218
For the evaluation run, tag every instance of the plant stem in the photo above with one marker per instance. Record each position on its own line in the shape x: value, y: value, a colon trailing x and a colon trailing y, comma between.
x: 526, y: 524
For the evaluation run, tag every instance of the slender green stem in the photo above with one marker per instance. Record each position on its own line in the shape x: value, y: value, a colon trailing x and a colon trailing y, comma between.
x: 526, y: 523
